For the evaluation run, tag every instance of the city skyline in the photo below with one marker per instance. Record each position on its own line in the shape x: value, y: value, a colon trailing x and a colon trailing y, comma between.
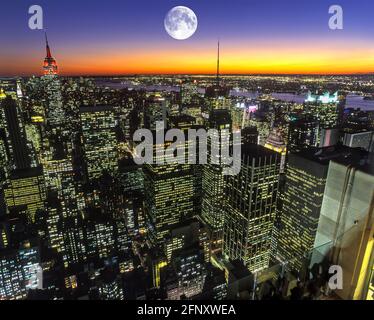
x: 124, y: 38
x: 201, y: 183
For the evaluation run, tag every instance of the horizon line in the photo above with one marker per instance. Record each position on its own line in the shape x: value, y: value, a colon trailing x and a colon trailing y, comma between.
x: 196, y: 74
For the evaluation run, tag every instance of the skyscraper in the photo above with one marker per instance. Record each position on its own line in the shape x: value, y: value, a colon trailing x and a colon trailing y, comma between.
x: 109, y: 286
x: 302, y: 133
x: 156, y: 109
x: 17, y: 147
x: 364, y: 140
x: 189, y: 266
x: 57, y: 161
x: 302, y: 202
x: 25, y: 191
x: 169, y: 194
x: 346, y: 225
x: 250, y: 200
x: 75, y: 249
x: 275, y: 142
x: 50, y: 65
x: 184, y: 234
x: 18, y: 270
x: 326, y: 109
x: 99, y: 139
x: 55, y: 111
x: 212, y: 212
x: 24, y: 188
x: 249, y: 135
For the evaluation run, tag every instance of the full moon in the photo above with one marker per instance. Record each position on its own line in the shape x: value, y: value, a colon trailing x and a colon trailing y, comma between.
x: 180, y: 23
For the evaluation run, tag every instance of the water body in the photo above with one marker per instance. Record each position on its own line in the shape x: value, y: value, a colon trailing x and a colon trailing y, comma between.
x: 247, y: 94
x: 289, y: 97
x: 131, y: 86
x: 353, y: 101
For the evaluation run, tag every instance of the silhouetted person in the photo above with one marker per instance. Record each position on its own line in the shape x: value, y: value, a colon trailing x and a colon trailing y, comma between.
x: 297, y: 292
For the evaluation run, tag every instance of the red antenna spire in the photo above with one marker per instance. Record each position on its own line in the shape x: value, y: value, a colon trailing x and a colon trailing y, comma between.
x: 218, y: 63
x: 49, y: 55
x: 50, y: 65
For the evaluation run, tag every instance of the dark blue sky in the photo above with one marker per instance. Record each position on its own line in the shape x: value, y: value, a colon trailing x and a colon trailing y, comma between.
x: 136, y: 27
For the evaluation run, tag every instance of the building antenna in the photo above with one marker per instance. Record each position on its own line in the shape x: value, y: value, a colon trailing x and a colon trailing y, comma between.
x: 218, y: 63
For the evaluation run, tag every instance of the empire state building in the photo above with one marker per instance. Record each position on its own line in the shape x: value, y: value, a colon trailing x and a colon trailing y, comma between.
x: 50, y: 65
x: 55, y: 113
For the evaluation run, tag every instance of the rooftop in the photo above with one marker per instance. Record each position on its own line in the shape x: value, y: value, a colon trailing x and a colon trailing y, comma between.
x: 257, y: 151
x: 341, y: 154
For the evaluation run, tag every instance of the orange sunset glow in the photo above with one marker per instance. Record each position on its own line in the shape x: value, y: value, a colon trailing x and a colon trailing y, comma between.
x: 283, y: 57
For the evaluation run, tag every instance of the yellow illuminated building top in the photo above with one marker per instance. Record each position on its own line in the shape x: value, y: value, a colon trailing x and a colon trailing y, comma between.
x: 275, y: 142
x: 37, y: 119
x: 282, y: 150
x: 2, y: 94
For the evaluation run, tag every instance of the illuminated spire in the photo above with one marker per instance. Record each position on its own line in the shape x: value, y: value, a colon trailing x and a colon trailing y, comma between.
x: 218, y: 63
x: 19, y: 90
x: 47, y: 46
x: 50, y: 65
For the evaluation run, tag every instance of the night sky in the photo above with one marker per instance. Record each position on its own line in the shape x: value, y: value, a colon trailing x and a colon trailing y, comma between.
x: 122, y: 36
